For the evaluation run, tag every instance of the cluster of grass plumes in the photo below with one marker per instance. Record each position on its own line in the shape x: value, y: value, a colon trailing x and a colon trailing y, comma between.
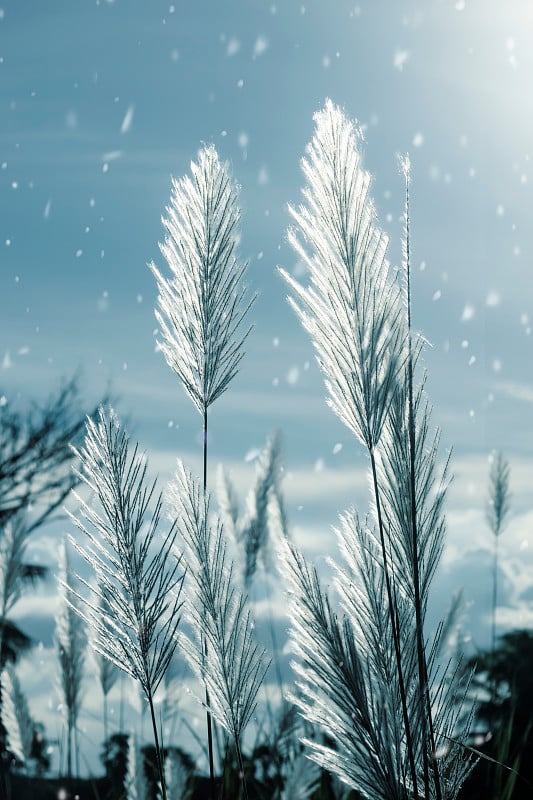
x: 224, y: 654
x: 133, y: 607
x: 371, y: 683
x: 382, y: 712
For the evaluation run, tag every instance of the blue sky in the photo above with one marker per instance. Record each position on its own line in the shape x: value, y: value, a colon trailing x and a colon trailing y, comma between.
x: 102, y: 102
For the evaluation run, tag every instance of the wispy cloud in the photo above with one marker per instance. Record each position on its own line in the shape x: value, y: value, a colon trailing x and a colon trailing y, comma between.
x: 517, y: 391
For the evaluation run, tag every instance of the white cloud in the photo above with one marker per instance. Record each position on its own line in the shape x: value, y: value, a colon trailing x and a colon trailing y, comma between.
x: 518, y: 391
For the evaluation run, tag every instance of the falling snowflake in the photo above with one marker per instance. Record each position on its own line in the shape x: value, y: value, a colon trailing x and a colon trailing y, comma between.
x: 263, y: 177
x: 401, y: 57
x: 127, y: 121
x: 293, y: 376
x: 260, y: 46
x: 233, y: 47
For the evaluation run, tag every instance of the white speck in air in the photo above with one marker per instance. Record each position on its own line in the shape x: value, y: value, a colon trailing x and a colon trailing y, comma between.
x: 468, y: 313
x: 293, y: 376
x: 127, y: 121
x: 401, y: 57
x: 233, y: 47
x: 260, y: 46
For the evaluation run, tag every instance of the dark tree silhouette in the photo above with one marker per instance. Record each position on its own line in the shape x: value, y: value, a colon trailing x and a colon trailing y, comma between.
x: 504, y: 730
x: 35, y: 454
x: 35, y: 479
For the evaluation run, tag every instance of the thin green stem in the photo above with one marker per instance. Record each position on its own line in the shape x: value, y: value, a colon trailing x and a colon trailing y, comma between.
x: 241, y: 770
x: 275, y: 650
x: 77, y: 749
x: 105, y: 717
x: 394, y: 627
x: 493, y: 682
x: 69, y: 747
x: 121, y: 706
x: 423, y: 683
x: 157, y: 748
x: 494, y: 601
x: 207, y: 700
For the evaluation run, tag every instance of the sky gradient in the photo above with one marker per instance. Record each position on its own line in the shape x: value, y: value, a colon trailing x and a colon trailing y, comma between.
x: 102, y: 102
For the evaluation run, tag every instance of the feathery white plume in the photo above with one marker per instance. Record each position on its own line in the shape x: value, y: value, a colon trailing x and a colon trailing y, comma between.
x: 136, y: 784
x: 135, y: 604
x: 71, y: 644
x: 134, y: 607
x: 228, y: 502
x: 177, y: 777
x: 265, y: 512
x: 301, y: 778
x: 12, y: 547
x: 15, y: 716
x: 499, y: 494
x: 202, y: 305
x: 365, y: 678
x: 351, y: 308
x: 225, y: 655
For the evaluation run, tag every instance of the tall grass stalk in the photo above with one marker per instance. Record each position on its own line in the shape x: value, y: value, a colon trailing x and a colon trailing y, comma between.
x: 177, y: 777
x: 14, y: 573
x: 134, y: 604
x: 225, y: 655
x: 108, y: 674
x: 71, y: 642
x: 386, y: 697
x: 202, y: 306
x: 427, y: 717
x: 136, y: 785
x: 351, y: 310
x: 498, y: 507
x: 15, y: 716
x: 260, y: 526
